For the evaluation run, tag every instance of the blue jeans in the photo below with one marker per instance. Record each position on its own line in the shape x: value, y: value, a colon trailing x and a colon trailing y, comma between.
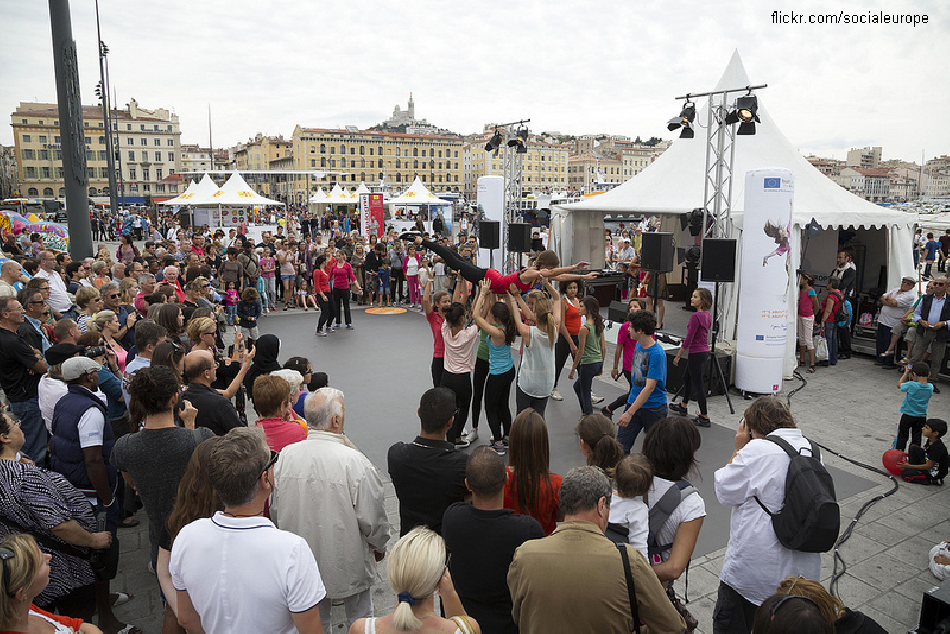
x: 232, y: 315
x: 35, y: 437
x: 831, y: 335
x: 582, y: 386
x: 642, y: 419
x: 882, y: 342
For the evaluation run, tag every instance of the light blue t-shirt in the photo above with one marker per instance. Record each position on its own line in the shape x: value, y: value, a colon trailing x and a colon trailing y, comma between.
x: 918, y: 396
x: 649, y: 363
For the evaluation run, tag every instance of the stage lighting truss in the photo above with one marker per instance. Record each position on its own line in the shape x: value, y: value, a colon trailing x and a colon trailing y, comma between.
x: 495, y: 142
x: 520, y: 141
x: 745, y: 113
x: 684, y: 120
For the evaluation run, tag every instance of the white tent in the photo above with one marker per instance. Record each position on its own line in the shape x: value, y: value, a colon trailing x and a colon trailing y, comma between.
x: 417, y: 194
x: 236, y: 192
x: 362, y: 189
x: 200, y: 194
x: 318, y: 196
x: 184, y: 197
x: 674, y: 184
x: 339, y: 196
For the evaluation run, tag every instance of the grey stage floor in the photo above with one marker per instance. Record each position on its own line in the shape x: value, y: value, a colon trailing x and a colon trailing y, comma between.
x: 383, y: 368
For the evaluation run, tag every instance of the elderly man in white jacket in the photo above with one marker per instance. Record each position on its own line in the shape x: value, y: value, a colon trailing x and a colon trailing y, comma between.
x: 330, y: 494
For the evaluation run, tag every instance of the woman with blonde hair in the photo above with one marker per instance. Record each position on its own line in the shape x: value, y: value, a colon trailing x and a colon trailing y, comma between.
x: 89, y: 302
x: 107, y: 324
x: 536, y: 377
x: 128, y: 289
x: 832, y: 609
x: 25, y: 576
x: 416, y: 568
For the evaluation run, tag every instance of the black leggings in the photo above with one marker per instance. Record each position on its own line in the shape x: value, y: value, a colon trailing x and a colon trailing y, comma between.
x: 453, y: 260
x: 438, y: 367
x: 478, y: 388
x: 326, y: 310
x: 695, y: 380
x: 341, y: 297
x: 621, y: 400
x: 496, y: 403
x: 396, y: 278
x: 461, y: 384
x: 562, y: 350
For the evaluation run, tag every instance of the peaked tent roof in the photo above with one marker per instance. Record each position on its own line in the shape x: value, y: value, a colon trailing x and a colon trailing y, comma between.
x: 417, y: 194
x: 339, y: 196
x: 362, y: 189
x: 318, y: 196
x: 237, y: 192
x: 203, y: 192
x: 674, y: 183
x: 188, y: 196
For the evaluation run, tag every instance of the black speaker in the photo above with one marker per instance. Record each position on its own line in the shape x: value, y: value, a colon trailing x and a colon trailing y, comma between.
x: 519, y: 237
x: 718, y: 263
x: 488, y: 235
x: 657, y: 252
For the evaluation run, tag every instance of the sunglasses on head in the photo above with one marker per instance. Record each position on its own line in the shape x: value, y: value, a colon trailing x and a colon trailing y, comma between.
x: 5, y: 555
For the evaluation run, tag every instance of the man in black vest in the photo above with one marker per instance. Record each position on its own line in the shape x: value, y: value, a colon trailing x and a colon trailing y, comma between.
x: 932, y: 315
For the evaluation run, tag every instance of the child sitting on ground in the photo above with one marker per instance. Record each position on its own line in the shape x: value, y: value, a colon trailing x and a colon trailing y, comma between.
x: 628, y: 504
x: 927, y: 464
x: 918, y: 391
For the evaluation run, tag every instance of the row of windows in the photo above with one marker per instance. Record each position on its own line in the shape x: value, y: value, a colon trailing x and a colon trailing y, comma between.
x: 158, y: 156
x: 379, y: 150
x: 362, y: 176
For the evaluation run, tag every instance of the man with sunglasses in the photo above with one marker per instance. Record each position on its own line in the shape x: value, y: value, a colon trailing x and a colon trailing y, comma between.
x: 932, y: 315
x: 31, y: 330
x: 58, y: 299
x: 21, y: 366
x: 215, y: 412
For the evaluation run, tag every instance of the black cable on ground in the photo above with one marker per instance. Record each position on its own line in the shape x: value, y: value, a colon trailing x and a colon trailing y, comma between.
x: 837, y: 558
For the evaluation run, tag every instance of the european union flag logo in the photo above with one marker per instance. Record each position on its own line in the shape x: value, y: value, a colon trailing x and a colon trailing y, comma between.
x: 760, y: 337
x: 773, y: 183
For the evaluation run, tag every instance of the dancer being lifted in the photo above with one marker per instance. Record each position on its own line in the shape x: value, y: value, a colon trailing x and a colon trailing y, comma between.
x: 546, y: 266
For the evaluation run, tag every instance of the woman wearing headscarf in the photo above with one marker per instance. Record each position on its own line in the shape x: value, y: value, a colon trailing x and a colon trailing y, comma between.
x: 265, y: 361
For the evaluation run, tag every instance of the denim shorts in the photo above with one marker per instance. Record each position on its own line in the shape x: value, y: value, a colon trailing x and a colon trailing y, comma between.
x: 287, y: 278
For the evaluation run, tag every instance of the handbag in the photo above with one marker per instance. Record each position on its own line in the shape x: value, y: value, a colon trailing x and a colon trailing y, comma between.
x: 631, y: 587
x: 821, y: 348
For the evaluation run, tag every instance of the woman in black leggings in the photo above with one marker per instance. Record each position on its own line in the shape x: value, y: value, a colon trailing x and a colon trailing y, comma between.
x: 696, y: 344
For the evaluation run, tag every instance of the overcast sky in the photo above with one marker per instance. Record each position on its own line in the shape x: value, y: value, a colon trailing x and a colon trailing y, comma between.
x: 576, y: 66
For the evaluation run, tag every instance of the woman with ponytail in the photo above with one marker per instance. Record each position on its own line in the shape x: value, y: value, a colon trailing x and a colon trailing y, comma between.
x: 536, y: 376
x: 459, y: 361
x: 590, y: 361
x: 501, y: 368
x: 597, y: 437
x: 416, y: 568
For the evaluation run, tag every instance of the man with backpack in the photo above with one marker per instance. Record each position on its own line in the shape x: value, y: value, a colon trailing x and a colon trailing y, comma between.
x: 830, y: 316
x: 784, y: 512
x: 251, y: 265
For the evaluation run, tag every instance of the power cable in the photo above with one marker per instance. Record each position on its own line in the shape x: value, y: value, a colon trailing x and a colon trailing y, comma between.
x: 837, y: 558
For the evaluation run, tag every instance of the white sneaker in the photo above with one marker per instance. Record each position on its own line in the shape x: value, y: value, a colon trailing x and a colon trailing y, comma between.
x: 471, y: 436
x: 556, y: 395
x: 596, y: 399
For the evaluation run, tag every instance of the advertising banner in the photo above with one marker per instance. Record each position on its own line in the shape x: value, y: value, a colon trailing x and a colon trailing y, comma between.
x: 762, y: 327
x: 376, y: 213
x: 364, y: 214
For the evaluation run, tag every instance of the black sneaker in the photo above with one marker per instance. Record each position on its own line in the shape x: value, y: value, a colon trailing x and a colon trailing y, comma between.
x: 679, y: 408
x: 606, y: 412
x: 702, y: 421
x: 461, y: 443
x: 936, y: 390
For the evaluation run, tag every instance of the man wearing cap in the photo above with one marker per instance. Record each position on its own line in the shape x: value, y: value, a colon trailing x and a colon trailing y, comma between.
x: 21, y: 366
x: 896, y: 304
x: 52, y: 388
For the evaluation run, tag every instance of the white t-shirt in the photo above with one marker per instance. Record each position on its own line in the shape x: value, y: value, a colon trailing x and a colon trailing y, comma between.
x: 690, y: 508
x: 634, y: 515
x: 243, y: 574
x: 91, y: 426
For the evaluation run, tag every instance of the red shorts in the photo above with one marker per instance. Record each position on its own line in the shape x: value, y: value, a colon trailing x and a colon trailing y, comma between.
x: 500, y: 284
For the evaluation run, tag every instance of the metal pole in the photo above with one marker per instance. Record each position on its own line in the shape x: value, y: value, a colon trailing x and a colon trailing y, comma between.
x: 76, y: 180
x: 107, y: 120
x: 116, y: 144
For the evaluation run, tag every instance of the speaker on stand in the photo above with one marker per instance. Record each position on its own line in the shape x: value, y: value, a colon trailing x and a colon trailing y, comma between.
x: 488, y: 234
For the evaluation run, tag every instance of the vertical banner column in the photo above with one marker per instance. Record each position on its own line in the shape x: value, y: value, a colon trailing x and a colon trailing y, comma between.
x: 762, y: 327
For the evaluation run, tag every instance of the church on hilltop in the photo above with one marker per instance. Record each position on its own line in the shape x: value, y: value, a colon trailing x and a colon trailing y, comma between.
x: 405, y: 121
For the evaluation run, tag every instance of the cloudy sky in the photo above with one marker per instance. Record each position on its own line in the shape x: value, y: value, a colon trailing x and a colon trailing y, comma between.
x: 577, y: 66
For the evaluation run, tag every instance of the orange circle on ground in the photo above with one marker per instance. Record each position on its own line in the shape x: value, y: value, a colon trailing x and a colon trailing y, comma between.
x: 392, y: 310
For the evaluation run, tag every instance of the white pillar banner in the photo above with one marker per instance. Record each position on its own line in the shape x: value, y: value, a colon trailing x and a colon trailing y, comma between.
x: 762, y: 327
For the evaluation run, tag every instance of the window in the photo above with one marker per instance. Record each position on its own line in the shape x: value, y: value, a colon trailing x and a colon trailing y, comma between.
x: 380, y: 151
x: 87, y: 140
x: 146, y: 188
x: 398, y: 151
x: 158, y: 142
x: 160, y: 188
x: 313, y: 162
x: 456, y: 153
x: 59, y: 154
x: 62, y: 192
x: 88, y: 155
x: 42, y: 139
x: 380, y: 177
x: 353, y: 150
x: 144, y: 142
x: 131, y: 141
x: 398, y: 163
x: 44, y: 155
x: 398, y: 177
x: 415, y: 151
x: 103, y: 155
x: 323, y: 148
x: 131, y: 155
x: 132, y: 175
x: 173, y: 189
x: 415, y: 164
x: 85, y: 124
x: 352, y: 164
x: 171, y: 143
x: 55, y: 139
x: 23, y: 121
x: 323, y: 161
x: 171, y: 157
x: 33, y: 192
x: 145, y: 174
x: 102, y: 140
x: 363, y: 162
x: 46, y: 173
x: 423, y: 178
x: 158, y: 174
x: 91, y: 172
x: 142, y: 126
x: 362, y: 150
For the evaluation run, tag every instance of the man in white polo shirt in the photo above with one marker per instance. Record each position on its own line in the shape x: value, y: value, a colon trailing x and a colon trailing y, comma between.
x: 235, y: 571
x: 58, y: 300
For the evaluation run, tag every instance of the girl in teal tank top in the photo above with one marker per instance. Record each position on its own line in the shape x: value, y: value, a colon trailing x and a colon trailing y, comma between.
x: 501, y: 368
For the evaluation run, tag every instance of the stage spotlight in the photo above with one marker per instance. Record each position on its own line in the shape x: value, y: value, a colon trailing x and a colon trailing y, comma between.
x: 746, y: 111
x: 694, y: 219
x: 495, y: 142
x: 687, y: 114
x: 693, y: 255
x: 520, y: 141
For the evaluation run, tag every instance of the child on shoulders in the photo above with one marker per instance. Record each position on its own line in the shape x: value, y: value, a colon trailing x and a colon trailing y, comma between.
x: 628, y: 504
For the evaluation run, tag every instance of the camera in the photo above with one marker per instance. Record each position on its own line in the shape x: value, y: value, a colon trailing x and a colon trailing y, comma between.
x: 93, y: 352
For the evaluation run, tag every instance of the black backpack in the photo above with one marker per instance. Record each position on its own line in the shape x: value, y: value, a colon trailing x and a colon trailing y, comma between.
x: 810, y: 519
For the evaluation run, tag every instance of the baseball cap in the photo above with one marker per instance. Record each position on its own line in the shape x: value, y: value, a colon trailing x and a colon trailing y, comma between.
x: 75, y: 367
x: 62, y: 351
x: 908, y: 278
